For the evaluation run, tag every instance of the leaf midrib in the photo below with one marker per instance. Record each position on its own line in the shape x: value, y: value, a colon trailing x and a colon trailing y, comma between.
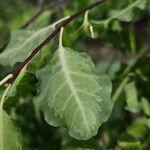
x: 71, y: 84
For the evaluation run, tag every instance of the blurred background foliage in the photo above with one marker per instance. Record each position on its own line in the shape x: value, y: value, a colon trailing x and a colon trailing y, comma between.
x: 113, y: 51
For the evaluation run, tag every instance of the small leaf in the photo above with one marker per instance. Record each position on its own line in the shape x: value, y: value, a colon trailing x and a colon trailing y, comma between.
x: 127, y: 142
x: 139, y: 128
x: 125, y: 15
x: 73, y: 95
x: 86, y: 27
x: 129, y: 145
x: 95, y: 28
x: 131, y: 98
x: 146, y: 106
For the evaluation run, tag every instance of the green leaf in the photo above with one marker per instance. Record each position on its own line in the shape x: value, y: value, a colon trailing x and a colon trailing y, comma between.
x: 22, y: 43
x: 10, y: 137
x: 131, y: 98
x: 73, y: 94
x: 50, y: 117
x: 127, y: 142
x: 146, y: 106
x: 84, y: 28
x: 139, y: 128
x: 22, y: 85
x: 94, y: 28
x: 123, y: 145
x: 125, y: 15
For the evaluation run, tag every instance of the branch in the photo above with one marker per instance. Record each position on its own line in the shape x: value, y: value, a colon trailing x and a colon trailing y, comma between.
x: 51, y: 36
x: 32, y: 19
x: 37, y: 14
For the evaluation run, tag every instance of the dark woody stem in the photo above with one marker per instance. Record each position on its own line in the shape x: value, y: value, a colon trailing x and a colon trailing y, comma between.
x: 50, y: 37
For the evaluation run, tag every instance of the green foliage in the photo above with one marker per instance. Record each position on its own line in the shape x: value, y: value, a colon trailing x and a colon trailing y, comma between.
x: 7, y: 129
x: 95, y: 28
x: 146, y: 106
x: 10, y: 137
x: 66, y: 88
x: 68, y: 77
x: 128, y: 145
x: 23, y: 81
x: 21, y: 44
x: 131, y: 98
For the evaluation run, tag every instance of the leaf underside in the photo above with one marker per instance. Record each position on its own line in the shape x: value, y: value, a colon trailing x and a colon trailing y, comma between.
x: 22, y: 43
x: 72, y: 95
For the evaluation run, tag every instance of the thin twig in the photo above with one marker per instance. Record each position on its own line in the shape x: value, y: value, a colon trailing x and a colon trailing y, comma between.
x: 40, y: 3
x: 145, y: 51
x: 51, y: 36
x: 36, y: 15
x: 31, y: 20
x: 120, y: 88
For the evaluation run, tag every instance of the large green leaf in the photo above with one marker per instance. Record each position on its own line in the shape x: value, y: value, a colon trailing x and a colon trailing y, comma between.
x: 73, y: 94
x: 44, y: 75
x: 22, y: 43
